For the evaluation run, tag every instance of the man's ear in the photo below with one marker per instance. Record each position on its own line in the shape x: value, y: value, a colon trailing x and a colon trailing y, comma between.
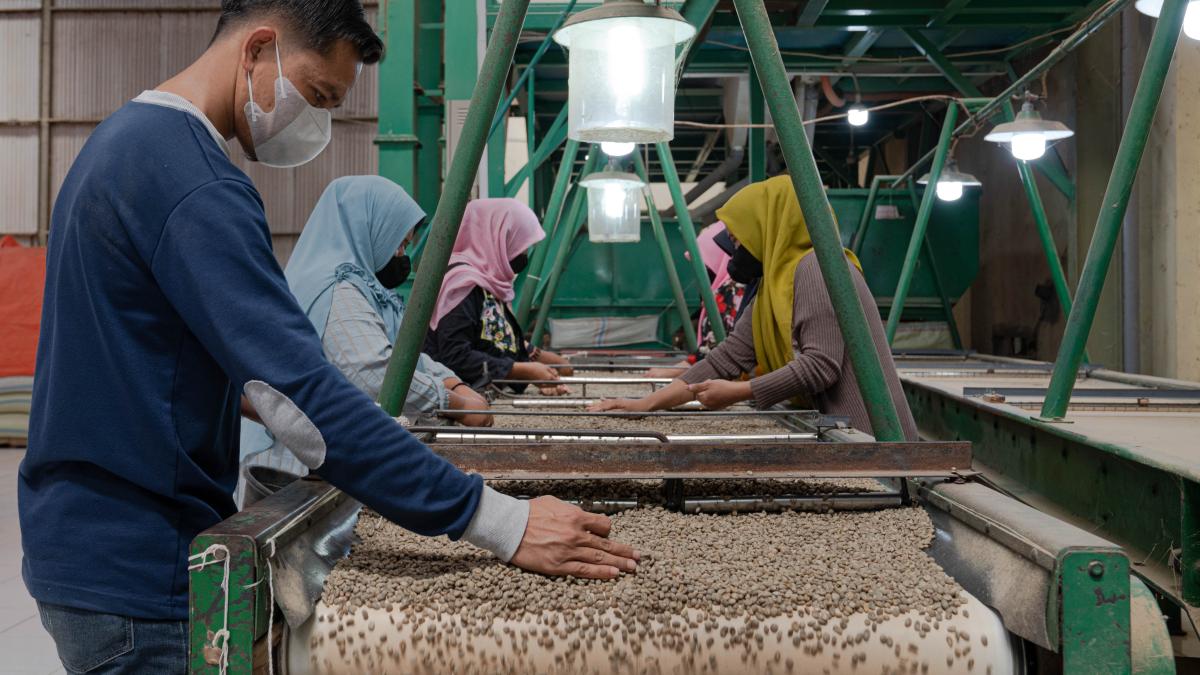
x: 253, y: 45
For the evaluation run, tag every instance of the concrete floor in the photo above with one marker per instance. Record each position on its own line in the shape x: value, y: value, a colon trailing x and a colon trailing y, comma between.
x: 24, y: 644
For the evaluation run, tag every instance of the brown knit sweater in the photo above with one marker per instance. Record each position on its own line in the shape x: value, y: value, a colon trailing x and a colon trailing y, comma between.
x: 821, y: 367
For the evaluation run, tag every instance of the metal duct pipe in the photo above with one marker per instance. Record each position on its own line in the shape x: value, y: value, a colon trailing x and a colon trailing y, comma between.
x: 733, y: 160
x: 705, y: 214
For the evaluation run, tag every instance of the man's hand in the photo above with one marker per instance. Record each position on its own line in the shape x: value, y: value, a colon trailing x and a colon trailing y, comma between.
x: 637, y: 405
x: 565, y: 540
x: 717, y: 394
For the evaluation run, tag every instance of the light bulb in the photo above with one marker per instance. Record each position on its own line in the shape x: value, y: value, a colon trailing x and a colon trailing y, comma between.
x: 615, y: 149
x: 857, y: 116
x: 949, y: 190
x: 1191, y: 20
x: 613, y: 202
x: 627, y: 69
x: 1028, y: 146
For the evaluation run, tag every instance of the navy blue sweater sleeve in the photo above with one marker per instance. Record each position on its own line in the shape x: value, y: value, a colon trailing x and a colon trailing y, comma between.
x: 215, y: 265
x: 457, y: 344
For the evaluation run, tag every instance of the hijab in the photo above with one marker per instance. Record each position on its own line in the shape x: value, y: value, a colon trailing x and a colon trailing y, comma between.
x: 354, y: 231
x: 714, y: 259
x: 766, y: 219
x: 493, y: 232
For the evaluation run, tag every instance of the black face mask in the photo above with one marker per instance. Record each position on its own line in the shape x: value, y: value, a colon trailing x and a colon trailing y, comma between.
x: 395, y: 272
x: 519, y: 263
x: 743, y: 267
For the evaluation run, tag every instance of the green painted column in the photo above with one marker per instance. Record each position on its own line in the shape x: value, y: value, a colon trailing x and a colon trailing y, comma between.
x: 537, y: 257
x: 430, y: 111
x: 757, y: 137
x: 446, y: 220
x: 569, y: 231
x: 868, y: 215
x: 687, y: 231
x: 814, y: 203
x: 660, y: 237
x: 922, y: 223
x: 397, y: 139
x: 1112, y: 210
x: 931, y: 260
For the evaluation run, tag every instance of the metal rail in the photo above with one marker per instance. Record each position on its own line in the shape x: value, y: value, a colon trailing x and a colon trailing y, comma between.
x: 683, y: 460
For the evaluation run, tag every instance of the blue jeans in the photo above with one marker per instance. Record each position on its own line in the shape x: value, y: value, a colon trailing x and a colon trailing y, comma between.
x: 107, y: 644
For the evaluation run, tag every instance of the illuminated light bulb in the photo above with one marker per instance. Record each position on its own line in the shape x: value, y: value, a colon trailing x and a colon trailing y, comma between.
x: 858, y: 116
x: 1191, y: 21
x: 613, y: 200
x: 1028, y: 146
x: 617, y: 149
x: 949, y: 190
x: 627, y: 74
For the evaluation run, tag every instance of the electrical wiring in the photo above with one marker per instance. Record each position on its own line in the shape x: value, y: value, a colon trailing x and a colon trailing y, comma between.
x: 826, y: 118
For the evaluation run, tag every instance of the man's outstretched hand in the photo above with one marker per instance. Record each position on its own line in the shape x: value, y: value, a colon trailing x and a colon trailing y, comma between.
x: 564, y: 540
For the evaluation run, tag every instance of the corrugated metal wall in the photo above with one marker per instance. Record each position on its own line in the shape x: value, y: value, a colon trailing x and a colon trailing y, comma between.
x: 103, y: 53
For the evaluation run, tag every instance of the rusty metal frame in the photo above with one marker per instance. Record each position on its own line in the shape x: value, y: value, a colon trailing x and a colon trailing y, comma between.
x: 813, y: 459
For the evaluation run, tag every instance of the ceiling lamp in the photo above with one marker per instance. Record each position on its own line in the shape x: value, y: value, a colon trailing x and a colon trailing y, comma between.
x: 1191, y: 16
x: 1029, y: 135
x: 622, y: 71
x: 952, y: 181
x: 614, y: 206
x: 857, y: 115
x: 614, y: 149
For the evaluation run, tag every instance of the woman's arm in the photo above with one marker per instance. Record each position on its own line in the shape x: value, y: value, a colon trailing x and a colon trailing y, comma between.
x: 674, y: 394
x: 728, y: 360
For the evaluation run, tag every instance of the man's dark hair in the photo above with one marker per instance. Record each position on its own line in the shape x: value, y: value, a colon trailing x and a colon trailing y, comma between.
x: 320, y: 23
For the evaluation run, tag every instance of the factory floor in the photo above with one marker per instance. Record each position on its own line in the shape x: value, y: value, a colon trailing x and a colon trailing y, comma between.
x: 25, y: 648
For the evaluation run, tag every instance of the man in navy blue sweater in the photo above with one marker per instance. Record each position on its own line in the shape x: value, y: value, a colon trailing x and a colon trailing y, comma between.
x: 164, y: 307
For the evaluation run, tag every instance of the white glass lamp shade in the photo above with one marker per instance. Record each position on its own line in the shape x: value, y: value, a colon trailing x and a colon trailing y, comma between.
x: 621, y: 81
x: 949, y: 190
x: 614, y: 207
x: 1029, y: 135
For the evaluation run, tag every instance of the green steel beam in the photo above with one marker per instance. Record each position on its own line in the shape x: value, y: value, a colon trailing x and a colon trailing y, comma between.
x: 430, y: 114
x: 931, y: 260
x: 530, y: 69
x: 537, y: 257
x: 951, y: 10
x: 397, y: 139
x: 562, y: 253
x: 448, y: 217
x: 660, y: 237
x: 811, y: 12
x: 531, y: 137
x: 835, y: 269
x: 1055, y: 173
x: 922, y: 223
x: 1112, y: 211
x: 1046, y: 236
x: 1095, y: 624
x: 858, y: 45
x: 555, y: 135
x: 758, y: 136
x: 687, y: 231
x: 1093, y: 23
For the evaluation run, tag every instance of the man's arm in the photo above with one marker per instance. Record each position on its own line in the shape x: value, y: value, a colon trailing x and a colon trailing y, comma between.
x: 214, y: 262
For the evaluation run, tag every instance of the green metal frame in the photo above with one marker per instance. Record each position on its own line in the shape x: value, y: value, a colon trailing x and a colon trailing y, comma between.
x: 835, y: 269
x: 446, y: 220
x: 917, y: 242
x: 935, y: 271
x: 397, y: 139
x: 1112, y: 210
x: 660, y: 236
x: 687, y: 230
x: 537, y: 257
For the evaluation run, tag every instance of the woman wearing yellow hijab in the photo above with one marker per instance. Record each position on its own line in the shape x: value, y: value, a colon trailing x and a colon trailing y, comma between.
x: 790, y: 343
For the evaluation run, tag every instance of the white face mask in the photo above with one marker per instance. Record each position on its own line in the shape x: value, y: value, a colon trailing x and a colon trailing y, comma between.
x: 294, y: 132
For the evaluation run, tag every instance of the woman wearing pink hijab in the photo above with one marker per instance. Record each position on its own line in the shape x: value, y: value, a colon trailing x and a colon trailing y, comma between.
x: 727, y: 292
x: 473, y: 331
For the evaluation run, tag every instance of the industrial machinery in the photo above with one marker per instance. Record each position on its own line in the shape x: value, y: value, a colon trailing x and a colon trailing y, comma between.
x: 1062, y: 503
x: 1037, y: 589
